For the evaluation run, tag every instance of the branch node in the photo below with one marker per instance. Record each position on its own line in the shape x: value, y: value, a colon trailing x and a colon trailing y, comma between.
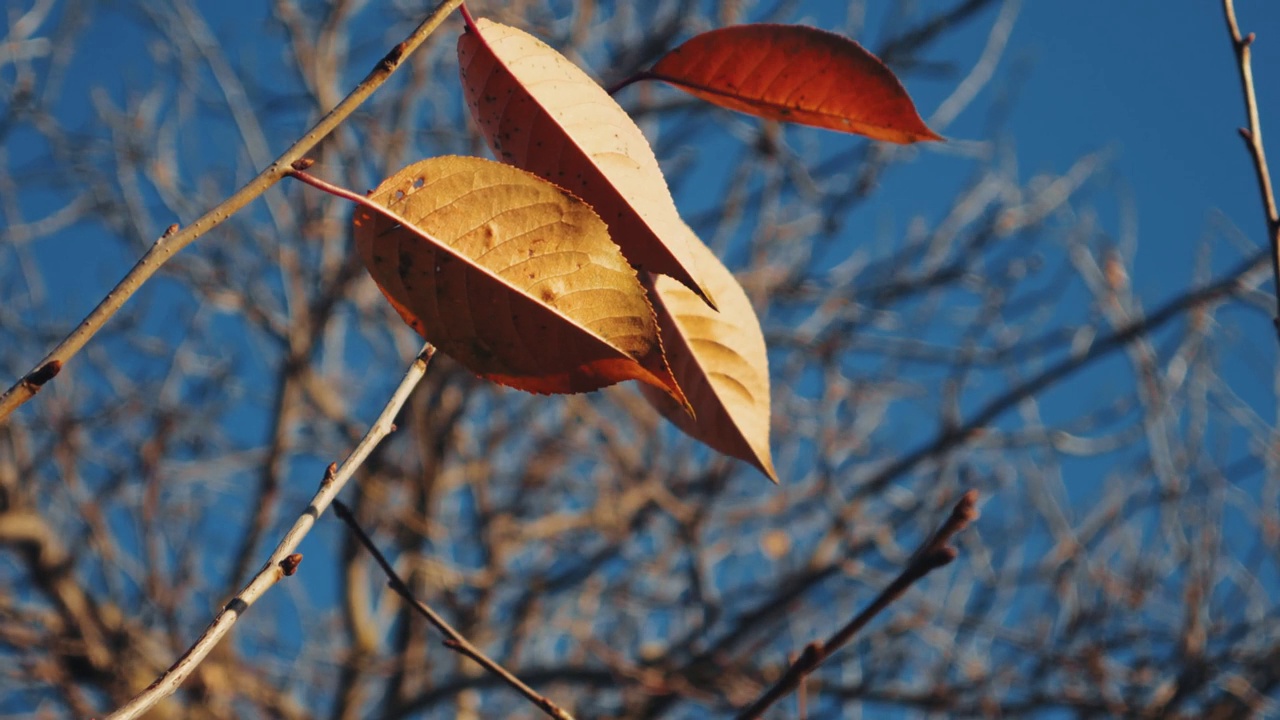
x: 392, y: 58
x: 290, y: 564
x: 964, y: 513
x: 41, y: 375
x: 811, y: 655
x: 938, y: 558
x: 302, y: 163
x: 1247, y: 40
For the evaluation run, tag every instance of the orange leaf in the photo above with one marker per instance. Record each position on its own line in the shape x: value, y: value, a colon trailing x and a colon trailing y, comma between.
x: 720, y: 361
x: 795, y: 74
x: 511, y: 276
x: 540, y: 112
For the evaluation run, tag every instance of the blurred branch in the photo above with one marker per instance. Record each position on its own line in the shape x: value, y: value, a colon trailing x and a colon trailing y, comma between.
x: 950, y: 437
x: 1253, y: 140
x: 283, y: 562
x: 983, y: 70
x: 50, y: 565
x: 453, y: 639
x: 908, y: 43
x: 173, y: 240
x: 934, y: 553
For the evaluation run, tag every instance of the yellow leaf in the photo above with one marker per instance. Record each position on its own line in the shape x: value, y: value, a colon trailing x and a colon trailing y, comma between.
x: 720, y: 361
x: 540, y: 112
x: 511, y: 276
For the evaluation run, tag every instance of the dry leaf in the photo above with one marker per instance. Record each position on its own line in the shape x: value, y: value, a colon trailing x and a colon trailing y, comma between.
x: 542, y: 113
x: 511, y: 276
x: 720, y: 361
x: 795, y: 74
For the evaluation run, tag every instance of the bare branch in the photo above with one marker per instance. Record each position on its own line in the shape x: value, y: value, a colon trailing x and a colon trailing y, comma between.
x: 454, y: 640
x: 283, y: 561
x: 934, y: 553
x: 170, y: 244
x: 1253, y: 141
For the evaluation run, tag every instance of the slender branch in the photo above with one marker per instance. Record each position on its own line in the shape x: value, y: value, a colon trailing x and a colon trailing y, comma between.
x: 298, y: 172
x: 283, y: 561
x: 933, y: 554
x: 453, y: 639
x: 952, y: 436
x: 171, y: 243
x: 617, y: 88
x: 1242, y: 44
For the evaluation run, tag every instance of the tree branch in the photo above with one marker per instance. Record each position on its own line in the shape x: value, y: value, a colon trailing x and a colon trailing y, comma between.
x: 933, y: 554
x: 1253, y: 141
x: 453, y: 639
x: 173, y: 240
x: 283, y: 562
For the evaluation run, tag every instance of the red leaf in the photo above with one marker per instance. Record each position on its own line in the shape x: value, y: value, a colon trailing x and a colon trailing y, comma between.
x: 795, y: 74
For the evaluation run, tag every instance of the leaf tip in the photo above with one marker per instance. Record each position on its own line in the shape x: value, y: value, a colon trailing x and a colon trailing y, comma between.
x: 667, y: 383
x: 765, y: 465
x: 706, y: 296
x: 929, y: 135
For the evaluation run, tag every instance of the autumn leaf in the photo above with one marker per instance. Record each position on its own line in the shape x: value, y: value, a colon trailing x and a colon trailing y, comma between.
x: 720, y: 361
x: 542, y: 113
x: 511, y: 276
x: 798, y: 74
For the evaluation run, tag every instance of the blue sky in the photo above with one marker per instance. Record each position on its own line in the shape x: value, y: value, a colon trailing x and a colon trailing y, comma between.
x: 1153, y: 83
x: 1160, y: 87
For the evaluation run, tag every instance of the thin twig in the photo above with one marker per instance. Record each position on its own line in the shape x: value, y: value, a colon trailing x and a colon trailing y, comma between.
x: 802, y: 696
x: 282, y: 562
x: 933, y: 554
x: 1253, y: 141
x: 618, y: 86
x: 298, y: 172
x: 170, y: 244
x: 453, y: 639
